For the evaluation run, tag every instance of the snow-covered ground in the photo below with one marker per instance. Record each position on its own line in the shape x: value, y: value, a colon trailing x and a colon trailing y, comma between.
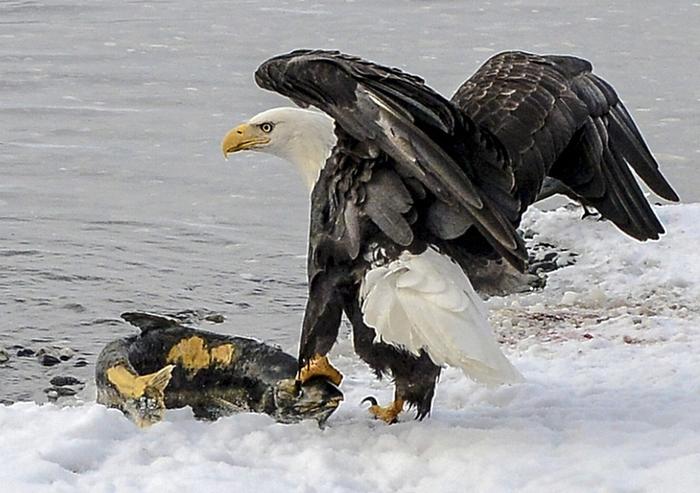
x: 610, y: 349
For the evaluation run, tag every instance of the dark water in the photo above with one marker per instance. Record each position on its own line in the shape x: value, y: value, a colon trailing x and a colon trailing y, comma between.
x: 113, y: 192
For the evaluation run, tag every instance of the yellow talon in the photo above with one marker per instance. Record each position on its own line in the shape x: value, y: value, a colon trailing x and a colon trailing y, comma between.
x: 319, y: 366
x: 389, y: 414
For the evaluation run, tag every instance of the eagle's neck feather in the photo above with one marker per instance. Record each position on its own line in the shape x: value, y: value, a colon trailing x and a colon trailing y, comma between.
x: 306, y: 139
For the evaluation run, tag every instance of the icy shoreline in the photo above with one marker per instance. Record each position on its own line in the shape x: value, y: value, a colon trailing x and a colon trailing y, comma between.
x: 610, y: 349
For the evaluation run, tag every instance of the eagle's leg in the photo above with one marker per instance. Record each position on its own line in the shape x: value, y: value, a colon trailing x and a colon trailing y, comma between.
x: 389, y: 414
x: 322, y: 316
x: 414, y: 377
x: 319, y: 366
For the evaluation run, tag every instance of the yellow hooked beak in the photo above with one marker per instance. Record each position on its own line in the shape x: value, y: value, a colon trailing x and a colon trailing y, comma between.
x: 243, y: 137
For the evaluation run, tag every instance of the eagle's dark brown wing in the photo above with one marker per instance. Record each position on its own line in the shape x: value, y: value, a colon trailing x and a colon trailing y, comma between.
x: 557, y: 119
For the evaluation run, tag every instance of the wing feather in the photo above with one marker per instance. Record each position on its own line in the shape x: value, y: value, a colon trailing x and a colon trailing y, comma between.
x: 557, y: 119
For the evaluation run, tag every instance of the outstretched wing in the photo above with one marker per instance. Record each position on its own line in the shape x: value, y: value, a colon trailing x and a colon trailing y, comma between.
x: 403, y: 150
x: 556, y: 118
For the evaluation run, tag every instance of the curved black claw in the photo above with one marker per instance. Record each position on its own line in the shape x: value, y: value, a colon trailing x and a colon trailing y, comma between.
x: 371, y: 400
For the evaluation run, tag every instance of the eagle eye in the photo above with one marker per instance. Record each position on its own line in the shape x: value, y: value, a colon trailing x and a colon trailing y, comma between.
x: 266, y: 127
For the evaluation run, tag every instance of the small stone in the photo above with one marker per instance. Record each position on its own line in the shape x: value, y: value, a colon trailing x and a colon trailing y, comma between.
x: 65, y: 353
x: 587, y: 336
x: 544, y: 266
x: 80, y: 363
x: 216, y: 318
x: 63, y: 381
x: 48, y: 360
x: 25, y: 352
x: 66, y: 391
x: 4, y: 356
x: 631, y: 340
x: 56, y: 392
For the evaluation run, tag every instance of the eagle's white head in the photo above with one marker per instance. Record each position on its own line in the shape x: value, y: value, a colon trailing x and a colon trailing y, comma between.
x: 303, y: 137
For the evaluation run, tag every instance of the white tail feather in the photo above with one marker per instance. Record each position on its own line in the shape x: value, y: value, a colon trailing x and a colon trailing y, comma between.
x: 426, y: 302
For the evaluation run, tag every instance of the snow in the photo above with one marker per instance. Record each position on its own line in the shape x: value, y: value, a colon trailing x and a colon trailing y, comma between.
x: 610, y: 350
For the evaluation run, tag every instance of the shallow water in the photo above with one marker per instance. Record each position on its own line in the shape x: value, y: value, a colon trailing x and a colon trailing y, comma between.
x: 114, y: 195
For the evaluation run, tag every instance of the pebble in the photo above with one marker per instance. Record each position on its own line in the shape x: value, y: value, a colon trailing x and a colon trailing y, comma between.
x: 4, y: 356
x: 216, y: 318
x: 56, y: 392
x: 65, y: 353
x: 25, y: 352
x: 65, y: 391
x: 48, y: 360
x: 61, y: 381
x: 80, y: 363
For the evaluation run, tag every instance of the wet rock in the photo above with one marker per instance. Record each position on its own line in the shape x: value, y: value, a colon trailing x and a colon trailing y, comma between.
x: 56, y: 392
x: 52, y: 355
x: 62, y: 381
x: 80, y: 363
x: 24, y: 352
x: 4, y: 355
x: 545, y: 266
x: 66, y: 353
x: 216, y: 318
x: 48, y: 359
x: 65, y: 391
x: 550, y: 256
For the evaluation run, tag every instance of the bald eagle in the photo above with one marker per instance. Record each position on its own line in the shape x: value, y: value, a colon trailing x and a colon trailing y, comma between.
x: 407, y: 188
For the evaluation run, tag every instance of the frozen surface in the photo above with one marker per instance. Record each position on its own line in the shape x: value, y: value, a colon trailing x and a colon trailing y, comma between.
x: 610, y: 349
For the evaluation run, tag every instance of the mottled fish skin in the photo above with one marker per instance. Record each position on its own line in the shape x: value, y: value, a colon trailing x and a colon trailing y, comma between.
x: 216, y: 375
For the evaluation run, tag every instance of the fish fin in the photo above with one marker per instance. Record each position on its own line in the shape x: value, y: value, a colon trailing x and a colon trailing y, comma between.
x: 134, y: 386
x: 149, y: 321
x: 159, y: 380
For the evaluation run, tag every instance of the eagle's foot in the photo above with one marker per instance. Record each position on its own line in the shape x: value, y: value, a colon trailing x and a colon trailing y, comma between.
x: 319, y: 366
x: 389, y: 414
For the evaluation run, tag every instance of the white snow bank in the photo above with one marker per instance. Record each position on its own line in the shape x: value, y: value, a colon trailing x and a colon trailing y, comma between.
x: 610, y: 349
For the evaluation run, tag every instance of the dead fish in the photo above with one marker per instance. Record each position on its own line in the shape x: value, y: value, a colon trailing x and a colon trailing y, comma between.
x: 171, y: 365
